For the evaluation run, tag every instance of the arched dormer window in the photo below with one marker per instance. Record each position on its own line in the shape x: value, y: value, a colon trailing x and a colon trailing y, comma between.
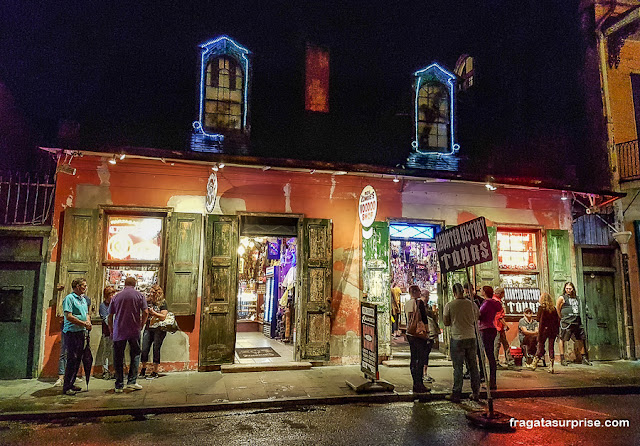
x: 434, y: 111
x: 224, y: 92
x: 464, y: 70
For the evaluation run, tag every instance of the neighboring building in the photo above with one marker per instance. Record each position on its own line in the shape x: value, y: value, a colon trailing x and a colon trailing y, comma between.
x: 617, y: 32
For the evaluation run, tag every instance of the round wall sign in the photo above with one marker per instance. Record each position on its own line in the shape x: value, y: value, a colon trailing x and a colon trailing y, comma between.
x: 368, y: 206
x: 212, y: 192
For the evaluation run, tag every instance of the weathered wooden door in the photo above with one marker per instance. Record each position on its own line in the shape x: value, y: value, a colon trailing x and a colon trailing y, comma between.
x: 601, y: 320
x: 559, y: 256
x: 376, y: 280
x: 17, y: 299
x: 218, y: 315
x: 183, y: 262
x: 313, y: 309
x: 81, y: 254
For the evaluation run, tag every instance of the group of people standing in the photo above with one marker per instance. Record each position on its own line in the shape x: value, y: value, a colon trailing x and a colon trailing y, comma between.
x: 487, y: 310
x: 124, y: 315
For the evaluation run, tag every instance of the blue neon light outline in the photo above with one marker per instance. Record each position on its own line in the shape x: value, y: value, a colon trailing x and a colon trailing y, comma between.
x: 444, y: 76
x: 207, y: 49
x: 396, y: 227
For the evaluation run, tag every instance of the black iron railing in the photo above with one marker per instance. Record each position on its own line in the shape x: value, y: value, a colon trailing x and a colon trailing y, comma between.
x: 26, y: 198
x: 629, y: 160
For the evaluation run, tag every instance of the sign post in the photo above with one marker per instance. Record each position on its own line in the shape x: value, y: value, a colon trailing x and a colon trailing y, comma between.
x: 369, y: 352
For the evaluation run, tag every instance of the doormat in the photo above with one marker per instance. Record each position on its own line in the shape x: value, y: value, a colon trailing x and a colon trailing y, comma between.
x: 259, y: 352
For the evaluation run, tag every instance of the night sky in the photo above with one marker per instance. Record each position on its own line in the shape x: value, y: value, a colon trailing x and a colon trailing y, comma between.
x: 127, y: 72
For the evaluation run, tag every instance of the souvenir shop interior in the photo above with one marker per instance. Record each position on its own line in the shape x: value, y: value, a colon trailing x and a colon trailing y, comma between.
x: 266, y: 298
x: 414, y: 261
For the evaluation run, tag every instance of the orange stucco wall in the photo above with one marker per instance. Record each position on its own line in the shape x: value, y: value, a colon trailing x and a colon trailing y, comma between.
x: 153, y: 183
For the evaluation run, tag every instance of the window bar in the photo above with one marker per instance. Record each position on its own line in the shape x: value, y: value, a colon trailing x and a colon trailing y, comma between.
x: 35, y: 202
x: 26, y: 201
x: 50, y: 190
x: 6, y: 210
x: 15, y: 212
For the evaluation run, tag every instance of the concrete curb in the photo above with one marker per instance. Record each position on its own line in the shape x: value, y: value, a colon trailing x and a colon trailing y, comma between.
x: 291, y: 403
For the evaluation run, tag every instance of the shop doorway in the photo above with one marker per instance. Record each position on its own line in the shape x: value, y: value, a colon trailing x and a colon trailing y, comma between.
x: 413, y: 261
x: 267, y: 279
x: 310, y: 333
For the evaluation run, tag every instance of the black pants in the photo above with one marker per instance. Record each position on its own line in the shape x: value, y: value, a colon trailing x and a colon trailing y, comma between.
x: 419, y: 356
x: 155, y: 337
x: 74, y: 344
x: 118, y: 360
x: 488, y: 338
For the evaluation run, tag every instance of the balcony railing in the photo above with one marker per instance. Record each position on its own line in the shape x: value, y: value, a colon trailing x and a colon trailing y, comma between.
x: 629, y: 160
x: 26, y: 198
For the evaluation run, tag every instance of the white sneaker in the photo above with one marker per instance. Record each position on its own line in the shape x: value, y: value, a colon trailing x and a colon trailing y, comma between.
x: 119, y: 390
x: 135, y: 386
x: 58, y: 383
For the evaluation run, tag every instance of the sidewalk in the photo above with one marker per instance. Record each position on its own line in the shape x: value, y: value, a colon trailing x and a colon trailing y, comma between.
x: 196, y: 391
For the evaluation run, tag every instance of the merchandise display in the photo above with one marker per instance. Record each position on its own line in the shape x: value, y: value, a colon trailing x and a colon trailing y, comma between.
x: 146, y: 276
x: 266, y: 285
x: 414, y: 263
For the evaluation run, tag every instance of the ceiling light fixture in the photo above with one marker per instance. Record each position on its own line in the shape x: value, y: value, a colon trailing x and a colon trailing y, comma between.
x: 122, y: 156
x: 564, y: 196
x: 113, y: 160
x: 396, y: 179
x: 214, y: 167
x: 221, y: 165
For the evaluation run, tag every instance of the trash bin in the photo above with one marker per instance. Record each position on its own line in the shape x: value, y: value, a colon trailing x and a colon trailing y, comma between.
x: 516, y: 354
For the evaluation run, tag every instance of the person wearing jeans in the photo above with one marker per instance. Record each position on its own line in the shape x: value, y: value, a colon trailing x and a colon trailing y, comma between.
x: 461, y: 315
x: 488, y: 331
x: 127, y: 315
x: 153, y: 334
x: 76, y: 324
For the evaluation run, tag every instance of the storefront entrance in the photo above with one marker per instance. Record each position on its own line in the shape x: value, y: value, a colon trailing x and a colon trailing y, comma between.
x: 248, y: 303
x: 267, y: 281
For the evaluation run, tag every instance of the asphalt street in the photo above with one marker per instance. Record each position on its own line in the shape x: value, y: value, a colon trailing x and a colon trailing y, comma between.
x: 438, y: 422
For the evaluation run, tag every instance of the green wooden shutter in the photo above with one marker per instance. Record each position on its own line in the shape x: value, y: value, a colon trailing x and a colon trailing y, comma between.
x: 81, y: 254
x: 218, y: 315
x: 488, y: 273
x: 313, y: 321
x: 183, y: 258
x: 376, y: 277
x: 559, y: 255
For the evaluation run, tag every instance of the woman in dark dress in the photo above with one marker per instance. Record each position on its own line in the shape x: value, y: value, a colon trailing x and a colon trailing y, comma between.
x: 548, y: 328
x: 152, y: 334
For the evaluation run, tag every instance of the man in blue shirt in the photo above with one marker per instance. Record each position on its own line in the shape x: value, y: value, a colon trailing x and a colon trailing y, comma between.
x: 76, y: 324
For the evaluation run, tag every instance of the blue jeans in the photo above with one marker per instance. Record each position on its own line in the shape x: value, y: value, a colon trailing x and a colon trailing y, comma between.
x: 155, y: 337
x: 118, y: 360
x: 464, y: 350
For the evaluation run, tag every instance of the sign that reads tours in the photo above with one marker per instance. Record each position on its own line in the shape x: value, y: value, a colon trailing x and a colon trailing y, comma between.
x: 367, y: 206
x: 369, y: 340
x: 463, y: 245
x: 516, y: 300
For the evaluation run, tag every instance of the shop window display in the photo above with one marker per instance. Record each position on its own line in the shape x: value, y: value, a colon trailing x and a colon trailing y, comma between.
x: 266, y: 285
x: 133, y: 248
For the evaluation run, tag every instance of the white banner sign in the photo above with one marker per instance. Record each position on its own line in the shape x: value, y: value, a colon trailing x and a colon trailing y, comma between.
x: 367, y: 206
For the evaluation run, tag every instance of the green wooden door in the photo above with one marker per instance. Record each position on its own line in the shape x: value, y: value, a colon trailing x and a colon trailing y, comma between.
x: 17, y: 299
x: 559, y: 255
x: 376, y: 280
x: 313, y: 311
x: 600, y: 309
x: 183, y: 258
x: 218, y: 315
x: 81, y: 253
x: 488, y: 273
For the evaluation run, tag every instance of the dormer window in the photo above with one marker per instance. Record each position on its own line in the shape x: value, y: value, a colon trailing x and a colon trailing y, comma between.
x: 434, y: 102
x: 464, y: 70
x: 224, y: 94
x: 224, y: 79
